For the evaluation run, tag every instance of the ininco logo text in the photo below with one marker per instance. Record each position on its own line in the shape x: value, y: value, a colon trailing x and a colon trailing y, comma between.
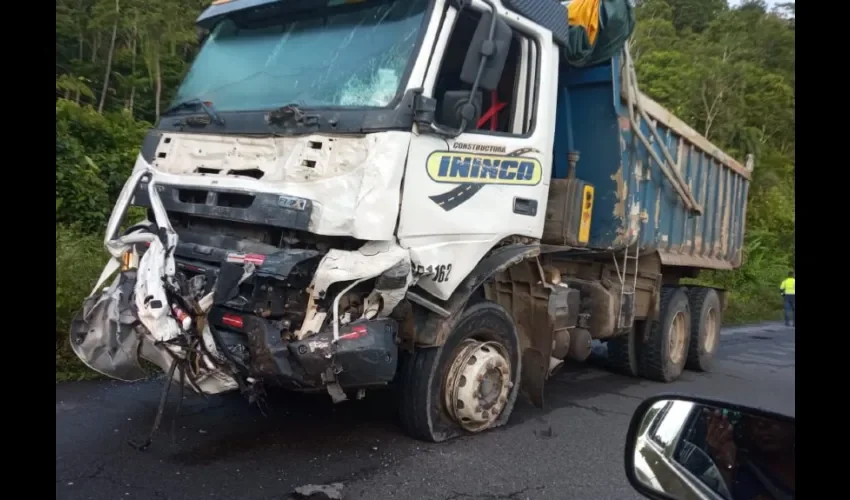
x: 473, y: 171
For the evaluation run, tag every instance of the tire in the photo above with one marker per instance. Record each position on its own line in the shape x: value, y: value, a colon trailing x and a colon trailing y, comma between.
x: 623, y: 352
x: 656, y: 362
x: 427, y: 373
x: 706, y: 318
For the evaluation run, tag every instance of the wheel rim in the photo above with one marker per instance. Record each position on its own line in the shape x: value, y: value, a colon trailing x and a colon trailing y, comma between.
x: 711, y: 328
x: 477, y: 384
x: 676, y: 335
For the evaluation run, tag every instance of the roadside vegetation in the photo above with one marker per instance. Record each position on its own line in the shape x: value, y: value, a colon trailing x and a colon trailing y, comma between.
x: 728, y: 72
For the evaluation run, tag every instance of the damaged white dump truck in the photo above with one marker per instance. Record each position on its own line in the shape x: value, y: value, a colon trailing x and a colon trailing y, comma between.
x: 447, y: 196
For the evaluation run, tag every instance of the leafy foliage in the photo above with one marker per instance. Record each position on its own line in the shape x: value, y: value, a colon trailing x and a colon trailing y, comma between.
x: 94, y: 156
x: 729, y: 72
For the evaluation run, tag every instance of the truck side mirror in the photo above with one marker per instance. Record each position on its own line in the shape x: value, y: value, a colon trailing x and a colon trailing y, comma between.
x: 487, y: 53
x: 453, y: 108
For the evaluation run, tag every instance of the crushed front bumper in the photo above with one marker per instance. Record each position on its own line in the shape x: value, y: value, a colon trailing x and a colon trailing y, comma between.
x: 144, y: 312
x: 364, y: 355
x: 136, y: 316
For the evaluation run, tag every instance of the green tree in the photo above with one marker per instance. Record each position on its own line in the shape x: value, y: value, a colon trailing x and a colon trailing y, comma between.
x: 695, y: 15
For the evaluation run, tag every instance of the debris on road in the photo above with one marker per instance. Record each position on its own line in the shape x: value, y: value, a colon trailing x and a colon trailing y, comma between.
x: 331, y: 491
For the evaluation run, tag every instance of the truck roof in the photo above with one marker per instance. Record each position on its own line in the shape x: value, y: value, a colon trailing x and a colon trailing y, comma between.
x: 221, y: 8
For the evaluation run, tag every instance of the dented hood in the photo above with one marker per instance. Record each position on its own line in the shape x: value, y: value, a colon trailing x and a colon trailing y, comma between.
x: 353, y: 182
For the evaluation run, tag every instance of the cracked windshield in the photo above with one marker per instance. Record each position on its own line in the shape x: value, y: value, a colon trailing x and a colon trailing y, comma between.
x: 355, y: 58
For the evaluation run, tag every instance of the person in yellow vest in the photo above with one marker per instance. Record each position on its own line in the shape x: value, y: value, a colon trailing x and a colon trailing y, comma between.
x: 787, y: 289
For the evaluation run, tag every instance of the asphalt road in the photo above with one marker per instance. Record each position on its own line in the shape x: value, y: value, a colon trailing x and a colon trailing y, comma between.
x: 224, y: 449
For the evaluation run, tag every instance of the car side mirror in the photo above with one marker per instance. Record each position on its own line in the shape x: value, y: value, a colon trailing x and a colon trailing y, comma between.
x: 683, y: 447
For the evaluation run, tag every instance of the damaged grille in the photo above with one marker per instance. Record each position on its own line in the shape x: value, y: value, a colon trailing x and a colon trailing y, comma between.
x: 215, y: 251
x: 257, y: 208
x: 276, y: 291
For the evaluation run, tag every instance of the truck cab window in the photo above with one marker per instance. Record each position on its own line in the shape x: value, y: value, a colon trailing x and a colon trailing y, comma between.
x: 508, y: 108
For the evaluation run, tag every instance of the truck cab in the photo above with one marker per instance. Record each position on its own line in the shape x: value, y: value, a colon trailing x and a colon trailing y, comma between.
x: 444, y: 196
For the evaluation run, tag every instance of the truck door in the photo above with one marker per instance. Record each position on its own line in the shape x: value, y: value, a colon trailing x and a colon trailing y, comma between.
x: 463, y: 195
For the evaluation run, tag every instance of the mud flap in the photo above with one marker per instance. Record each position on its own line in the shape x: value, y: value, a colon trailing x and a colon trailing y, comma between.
x: 535, y: 367
x: 538, y: 311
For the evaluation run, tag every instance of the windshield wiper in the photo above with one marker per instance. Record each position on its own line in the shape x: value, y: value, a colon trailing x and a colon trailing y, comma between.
x: 291, y: 114
x: 195, y: 103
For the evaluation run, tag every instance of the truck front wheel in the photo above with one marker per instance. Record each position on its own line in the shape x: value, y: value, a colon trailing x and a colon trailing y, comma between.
x: 663, y: 356
x: 469, y: 384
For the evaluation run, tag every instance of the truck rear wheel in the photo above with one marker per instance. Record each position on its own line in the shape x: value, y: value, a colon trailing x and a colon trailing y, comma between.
x: 469, y: 384
x: 705, y: 328
x: 623, y: 352
x: 663, y: 356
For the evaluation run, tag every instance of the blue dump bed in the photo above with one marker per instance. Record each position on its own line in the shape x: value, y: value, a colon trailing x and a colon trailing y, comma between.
x: 700, y: 224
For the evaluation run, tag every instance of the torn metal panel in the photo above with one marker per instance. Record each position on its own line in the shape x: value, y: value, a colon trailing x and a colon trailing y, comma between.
x: 369, y: 261
x: 106, y: 337
x: 137, y: 315
x: 151, y: 301
x: 103, y: 334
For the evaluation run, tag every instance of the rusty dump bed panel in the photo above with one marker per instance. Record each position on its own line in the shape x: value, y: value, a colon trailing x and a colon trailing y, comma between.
x: 631, y: 192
